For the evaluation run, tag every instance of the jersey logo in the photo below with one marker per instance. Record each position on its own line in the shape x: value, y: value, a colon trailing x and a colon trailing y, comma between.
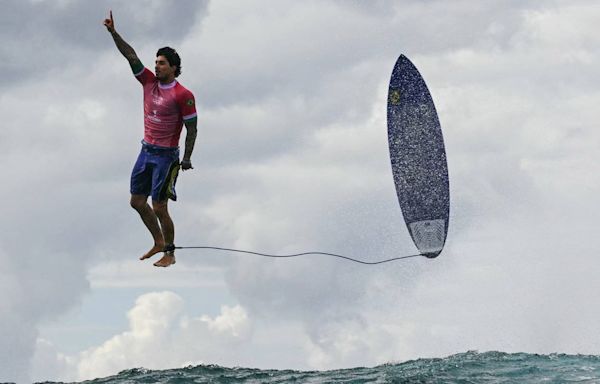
x: 190, y: 102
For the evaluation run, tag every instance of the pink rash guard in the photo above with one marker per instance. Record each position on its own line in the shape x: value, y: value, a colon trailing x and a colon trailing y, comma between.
x: 166, y: 107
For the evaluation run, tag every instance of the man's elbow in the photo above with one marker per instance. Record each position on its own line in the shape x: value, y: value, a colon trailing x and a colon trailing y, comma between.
x: 133, y: 59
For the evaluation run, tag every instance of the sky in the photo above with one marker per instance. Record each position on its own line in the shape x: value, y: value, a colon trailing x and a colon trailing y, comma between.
x: 292, y: 156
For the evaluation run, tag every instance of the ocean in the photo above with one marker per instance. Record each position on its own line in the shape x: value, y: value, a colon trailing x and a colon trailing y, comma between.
x: 469, y: 367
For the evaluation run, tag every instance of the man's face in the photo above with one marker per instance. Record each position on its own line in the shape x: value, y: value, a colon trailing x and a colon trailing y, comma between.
x: 162, y: 69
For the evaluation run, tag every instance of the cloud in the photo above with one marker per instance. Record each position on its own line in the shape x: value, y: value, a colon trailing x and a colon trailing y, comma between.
x: 31, y: 296
x: 48, y: 362
x: 160, y: 336
x: 44, y: 37
x: 132, y: 273
x: 232, y: 321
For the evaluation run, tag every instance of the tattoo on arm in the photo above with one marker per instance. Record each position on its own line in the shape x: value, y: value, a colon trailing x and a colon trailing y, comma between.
x: 190, y: 138
x: 125, y: 49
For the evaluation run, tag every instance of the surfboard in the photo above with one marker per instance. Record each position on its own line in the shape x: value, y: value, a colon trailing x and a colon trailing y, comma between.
x: 418, y: 158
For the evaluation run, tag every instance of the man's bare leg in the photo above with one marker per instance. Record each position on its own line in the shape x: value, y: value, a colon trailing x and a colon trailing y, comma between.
x: 140, y: 204
x: 168, y: 231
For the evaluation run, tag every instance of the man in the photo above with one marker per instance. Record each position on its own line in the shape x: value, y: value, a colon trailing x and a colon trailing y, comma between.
x: 167, y: 106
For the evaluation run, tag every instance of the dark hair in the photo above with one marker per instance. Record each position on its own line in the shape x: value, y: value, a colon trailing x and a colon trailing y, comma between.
x: 172, y: 57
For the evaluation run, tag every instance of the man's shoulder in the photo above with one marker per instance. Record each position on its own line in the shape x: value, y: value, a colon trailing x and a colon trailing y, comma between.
x: 181, y: 89
x: 146, y: 77
x: 186, y: 101
x: 184, y: 95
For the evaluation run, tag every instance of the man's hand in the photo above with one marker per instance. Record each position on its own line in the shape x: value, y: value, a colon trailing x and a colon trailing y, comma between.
x: 190, y: 139
x: 110, y: 23
x: 186, y: 164
x: 122, y: 46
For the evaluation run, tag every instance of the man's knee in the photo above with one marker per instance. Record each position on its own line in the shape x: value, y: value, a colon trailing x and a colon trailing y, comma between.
x: 160, y: 208
x: 138, y: 202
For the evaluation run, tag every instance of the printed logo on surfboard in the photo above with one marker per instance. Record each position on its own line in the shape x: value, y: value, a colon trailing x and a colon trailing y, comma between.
x: 394, y: 97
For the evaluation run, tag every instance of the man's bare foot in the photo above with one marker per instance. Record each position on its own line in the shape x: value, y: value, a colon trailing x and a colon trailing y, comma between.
x: 153, y: 251
x: 166, y: 260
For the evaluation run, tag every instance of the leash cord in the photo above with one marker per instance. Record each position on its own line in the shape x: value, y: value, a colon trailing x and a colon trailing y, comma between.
x: 304, y: 254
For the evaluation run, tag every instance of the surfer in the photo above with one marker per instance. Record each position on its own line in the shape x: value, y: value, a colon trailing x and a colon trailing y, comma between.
x: 167, y: 107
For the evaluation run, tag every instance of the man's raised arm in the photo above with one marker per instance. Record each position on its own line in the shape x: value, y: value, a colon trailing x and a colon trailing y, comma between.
x: 122, y: 46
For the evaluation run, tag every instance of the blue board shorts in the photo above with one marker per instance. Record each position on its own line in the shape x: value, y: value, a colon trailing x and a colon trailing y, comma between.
x: 155, y: 172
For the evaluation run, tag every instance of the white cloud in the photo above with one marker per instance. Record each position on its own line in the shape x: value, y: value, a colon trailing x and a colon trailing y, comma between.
x: 232, y: 321
x: 47, y: 362
x: 160, y: 336
x: 150, y: 321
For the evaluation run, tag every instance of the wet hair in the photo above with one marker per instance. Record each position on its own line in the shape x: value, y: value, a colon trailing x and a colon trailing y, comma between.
x: 172, y: 57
